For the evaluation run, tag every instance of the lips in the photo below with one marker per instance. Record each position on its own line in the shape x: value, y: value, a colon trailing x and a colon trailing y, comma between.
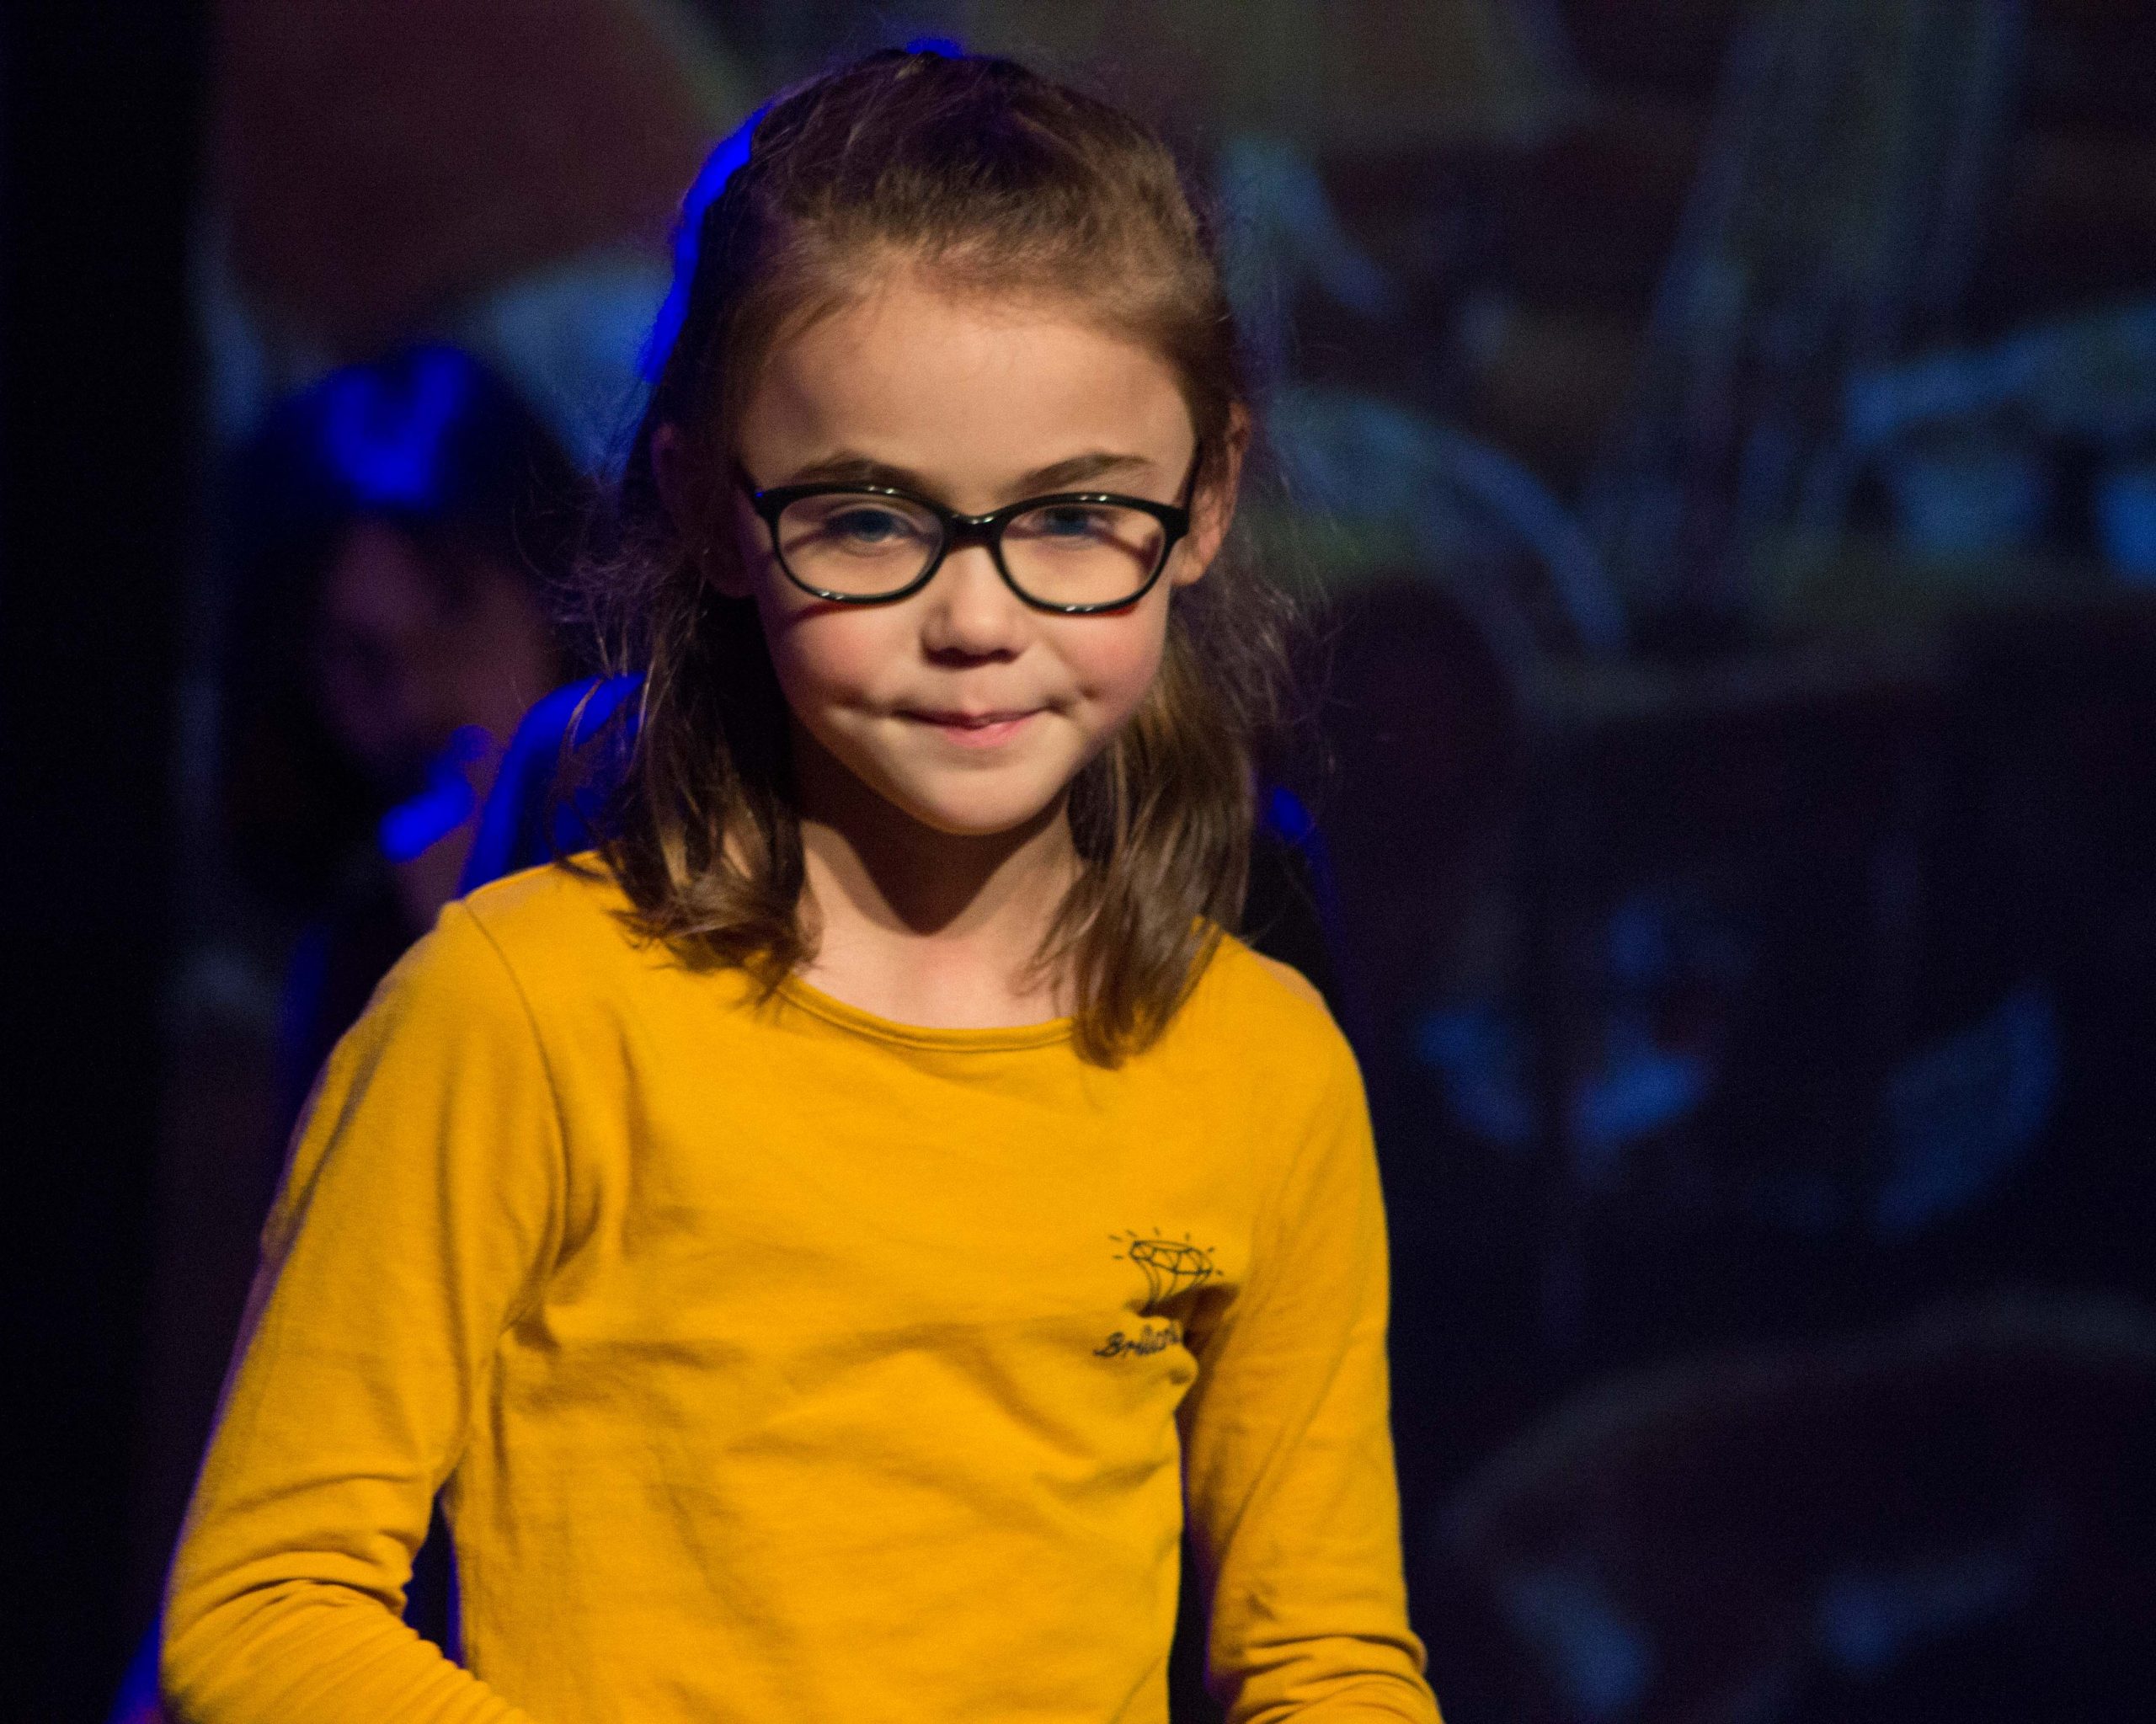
x: 976, y: 729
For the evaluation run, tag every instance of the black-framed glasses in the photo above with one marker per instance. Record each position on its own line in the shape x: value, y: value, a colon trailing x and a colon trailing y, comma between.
x: 1072, y: 552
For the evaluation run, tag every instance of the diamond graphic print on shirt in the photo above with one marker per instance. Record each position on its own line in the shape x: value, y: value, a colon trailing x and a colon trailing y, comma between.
x: 1171, y: 1265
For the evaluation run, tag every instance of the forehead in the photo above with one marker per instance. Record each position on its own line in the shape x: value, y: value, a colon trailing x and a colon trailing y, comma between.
x: 934, y: 377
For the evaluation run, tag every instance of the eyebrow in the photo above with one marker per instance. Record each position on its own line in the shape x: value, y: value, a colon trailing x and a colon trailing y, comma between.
x: 847, y: 467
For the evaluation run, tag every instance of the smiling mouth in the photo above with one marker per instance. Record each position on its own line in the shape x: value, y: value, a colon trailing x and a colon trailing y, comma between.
x: 976, y: 729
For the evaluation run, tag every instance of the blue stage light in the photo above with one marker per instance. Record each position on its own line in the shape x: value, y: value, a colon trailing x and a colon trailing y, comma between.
x: 387, y: 446
x: 729, y: 153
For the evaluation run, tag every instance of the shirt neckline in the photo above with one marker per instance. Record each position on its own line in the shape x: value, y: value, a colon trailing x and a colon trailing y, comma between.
x: 853, y: 1019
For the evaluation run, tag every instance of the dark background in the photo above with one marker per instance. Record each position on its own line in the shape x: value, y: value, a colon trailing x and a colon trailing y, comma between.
x: 1719, y: 442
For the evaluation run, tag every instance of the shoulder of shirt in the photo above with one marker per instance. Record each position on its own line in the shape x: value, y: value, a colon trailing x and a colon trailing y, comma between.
x: 559, y: 920
x: 546, y: 902
x: 1269, y: 1001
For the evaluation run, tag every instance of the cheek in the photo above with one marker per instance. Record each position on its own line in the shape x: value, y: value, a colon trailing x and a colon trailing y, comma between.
x: 823, y: 654
x: 1115, y: 666
x: 828, y: 655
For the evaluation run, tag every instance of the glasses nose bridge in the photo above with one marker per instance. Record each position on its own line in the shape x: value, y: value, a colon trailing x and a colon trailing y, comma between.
x: 960, y: 531
x: 974, y: 609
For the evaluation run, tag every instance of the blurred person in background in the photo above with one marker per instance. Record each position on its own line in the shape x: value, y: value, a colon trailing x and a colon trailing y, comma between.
x: 398, y: 531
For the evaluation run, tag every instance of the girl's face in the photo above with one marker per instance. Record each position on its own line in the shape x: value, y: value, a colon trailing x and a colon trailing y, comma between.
x: 961, y: 705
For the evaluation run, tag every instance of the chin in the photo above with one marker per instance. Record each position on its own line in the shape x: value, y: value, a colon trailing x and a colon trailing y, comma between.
x: 975, y: 811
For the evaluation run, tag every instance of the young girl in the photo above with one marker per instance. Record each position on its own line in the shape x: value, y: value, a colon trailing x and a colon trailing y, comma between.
x: 824, y: 1243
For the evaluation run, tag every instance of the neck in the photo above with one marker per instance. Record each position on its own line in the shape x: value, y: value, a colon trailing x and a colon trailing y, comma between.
x: 923, y: 926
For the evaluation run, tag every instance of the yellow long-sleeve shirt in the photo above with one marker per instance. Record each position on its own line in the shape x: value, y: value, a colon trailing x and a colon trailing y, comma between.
x: 778, y: 1362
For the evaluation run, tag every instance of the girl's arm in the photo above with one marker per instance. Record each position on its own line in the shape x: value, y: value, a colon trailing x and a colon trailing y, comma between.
x: 1288, y: 1449
x: 415, y: 1224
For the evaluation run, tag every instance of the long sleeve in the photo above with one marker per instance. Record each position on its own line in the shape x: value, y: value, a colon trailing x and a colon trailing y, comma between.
x: 1288, y: 1451
x: 415, y: 1224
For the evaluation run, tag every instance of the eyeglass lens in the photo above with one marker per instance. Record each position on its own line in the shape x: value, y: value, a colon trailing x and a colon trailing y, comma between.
x: 864, y: 545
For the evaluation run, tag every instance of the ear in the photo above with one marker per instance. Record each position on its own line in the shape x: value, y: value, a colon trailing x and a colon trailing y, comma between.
x: 1213, y: 509
x: 669, y: 471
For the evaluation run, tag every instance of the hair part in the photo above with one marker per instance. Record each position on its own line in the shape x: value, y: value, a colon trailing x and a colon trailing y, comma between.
x: 994, y: 181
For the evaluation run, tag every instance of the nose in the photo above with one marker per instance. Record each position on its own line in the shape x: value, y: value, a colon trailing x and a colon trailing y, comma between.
x: 971, y: 612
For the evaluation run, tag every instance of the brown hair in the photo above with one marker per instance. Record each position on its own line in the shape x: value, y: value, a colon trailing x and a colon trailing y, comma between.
x: 998, y: 180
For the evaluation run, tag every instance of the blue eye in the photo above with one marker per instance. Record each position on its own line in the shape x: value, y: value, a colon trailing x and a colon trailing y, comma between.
x: 868, y: 527
x: 1072, y: 522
